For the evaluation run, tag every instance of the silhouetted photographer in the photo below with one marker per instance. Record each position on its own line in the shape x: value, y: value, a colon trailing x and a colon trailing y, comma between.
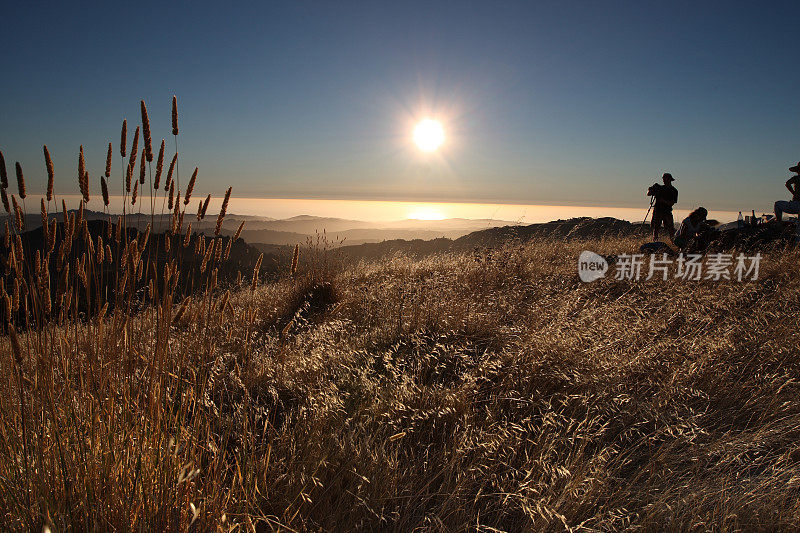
x: 664, y: 197
x: 695, y: 234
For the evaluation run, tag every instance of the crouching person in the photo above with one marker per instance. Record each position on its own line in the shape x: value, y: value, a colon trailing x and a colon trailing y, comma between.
x: 793, y: 207
x: 694, y: 234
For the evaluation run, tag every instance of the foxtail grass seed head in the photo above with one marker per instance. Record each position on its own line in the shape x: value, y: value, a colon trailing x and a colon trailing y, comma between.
x: 205, y: 207
x: 133, y: 194
x: 295, y: 258
x: 79, y: 217
x: 148, y: 141
x: 45, y: 223
x: 199, y: 209
x: 256, y: 271
x: 168, y: 182
x: 174, y: 115
x: 128, y: 178
x: 20, y: 181
x: 188, y: 238
x: 5, y: 199
x: 81, y: 167
x: 64, y: 210
x: 85, y: 186
x: 48, y: 161
x: 123, y: 142
x: 109, y: 255
x: 108, y: 161
x: 222, y: 211
x: 159, y: 166
x: 190, y: 188
x: 142, y: 169
x: 104, y: 190
x: 20, y: 218
x: 238, y: 231
x: 134, y: 147
x: 3, y: 173
x: 171, y: 195
x: 51, y: 245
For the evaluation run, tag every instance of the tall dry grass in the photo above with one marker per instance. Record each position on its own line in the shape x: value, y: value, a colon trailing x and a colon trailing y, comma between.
x: 477, y: 391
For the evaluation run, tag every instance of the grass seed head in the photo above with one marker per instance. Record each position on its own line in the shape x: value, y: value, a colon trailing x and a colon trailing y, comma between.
x: 190, y: 188
x: 134, y: 148
x: 159, y: 166
x: 142, y: 169
x: 104, y: 190
x: 222, y: 211
x: 50, y: 172
x: 148, y: 141
x: 174, y: 115
x: 20, y: 181
x: 5, y: 199
x: 123, y: 142
x: 3, y: 172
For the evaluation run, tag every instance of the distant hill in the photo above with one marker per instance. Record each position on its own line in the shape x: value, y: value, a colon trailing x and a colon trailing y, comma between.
x: 575, y: 228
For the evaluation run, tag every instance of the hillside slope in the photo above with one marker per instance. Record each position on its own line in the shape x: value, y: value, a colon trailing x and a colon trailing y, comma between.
x: 492, y: 391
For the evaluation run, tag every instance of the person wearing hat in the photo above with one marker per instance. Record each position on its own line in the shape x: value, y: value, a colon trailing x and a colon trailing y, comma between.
x: 793, y: 184
x: 694, y: 233
x: 665, y: 196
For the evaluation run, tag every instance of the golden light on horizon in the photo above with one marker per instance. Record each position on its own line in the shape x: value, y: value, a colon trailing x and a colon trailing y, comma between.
x: 429, y: 135
x: 426, y: 214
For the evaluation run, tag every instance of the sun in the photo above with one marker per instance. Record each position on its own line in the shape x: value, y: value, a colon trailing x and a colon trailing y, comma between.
x: 429, y: 135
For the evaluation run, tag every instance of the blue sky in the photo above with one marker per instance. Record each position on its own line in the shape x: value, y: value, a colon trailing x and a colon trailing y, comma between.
x: 584, y: 103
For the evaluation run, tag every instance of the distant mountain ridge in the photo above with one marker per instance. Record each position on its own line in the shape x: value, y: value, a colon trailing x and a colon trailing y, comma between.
x: 574, y: 228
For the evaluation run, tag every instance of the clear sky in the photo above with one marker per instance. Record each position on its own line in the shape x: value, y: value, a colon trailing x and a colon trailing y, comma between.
x: 582, y: 103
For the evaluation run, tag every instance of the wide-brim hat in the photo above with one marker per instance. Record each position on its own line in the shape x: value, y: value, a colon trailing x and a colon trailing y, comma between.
x: 668, y: 176
x: 795, y: 168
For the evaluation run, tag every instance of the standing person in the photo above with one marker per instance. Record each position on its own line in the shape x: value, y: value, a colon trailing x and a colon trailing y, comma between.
x: 665, y: 197
x: 793, y: 184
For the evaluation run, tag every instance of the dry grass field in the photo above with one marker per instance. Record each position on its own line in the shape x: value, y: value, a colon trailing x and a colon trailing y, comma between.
x: 456, y: 392
x: 487, y: 391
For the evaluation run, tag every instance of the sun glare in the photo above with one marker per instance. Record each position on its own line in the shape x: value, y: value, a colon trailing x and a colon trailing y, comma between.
x: 429, y: 135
